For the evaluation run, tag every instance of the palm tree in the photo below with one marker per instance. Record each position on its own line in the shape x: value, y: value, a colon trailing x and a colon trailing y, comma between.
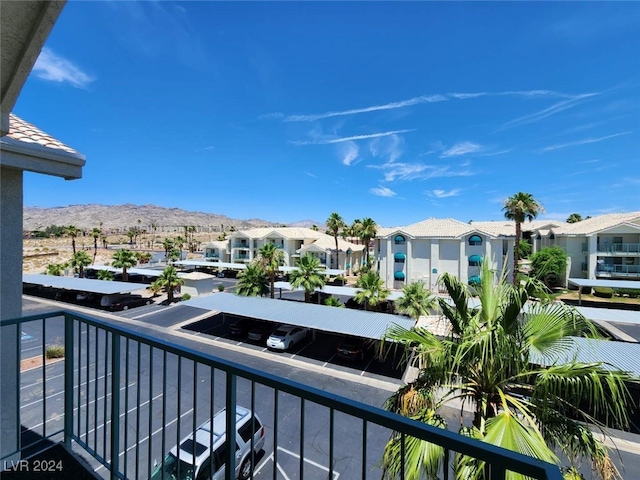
x: 155, y: 288
x: 334, y: 302
x: 253, y: 281
x: 574, y: 218
x: 73, y: 232
x: 307, y: 276
x: 490, y: 365
x: 520, y: 207
x: 169, y: 280
x: 95, y: 233
x: 367, y: 231
x: 354, y: 229
x: 167, y: 244
x: 56, y: 269
x: 270, y: 258
x: 124, y: 259
x: 335, y: 224
x: 416, y: 300
x: 373, y: 291
x: 79, y: 260
x: 105, y: 275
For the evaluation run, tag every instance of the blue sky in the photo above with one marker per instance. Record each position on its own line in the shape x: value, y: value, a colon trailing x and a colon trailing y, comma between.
x: 293, y: 110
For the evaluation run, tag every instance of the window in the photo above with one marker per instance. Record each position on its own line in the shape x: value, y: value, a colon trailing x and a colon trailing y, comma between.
x: 399, y: 240
x: 475, y: 240
x: 245, y: 430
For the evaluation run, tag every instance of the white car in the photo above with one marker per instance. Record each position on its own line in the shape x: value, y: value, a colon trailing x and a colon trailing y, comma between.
x: 285, y: 336
x: 205, y: 450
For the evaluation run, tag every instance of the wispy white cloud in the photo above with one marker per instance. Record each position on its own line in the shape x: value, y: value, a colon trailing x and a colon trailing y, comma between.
x: 55, y: 68
x: 349, y: 153
x: 583, y: 142
x: 419, y: 171
x: 210, y: 147
x: 328, y: 141
x: 310, y: 175
x: 388, y: 147
x: 547, y: 112
x: 383, y: 192
x: 443, y: 193
x: 387, y: 106
x: 462, y: 148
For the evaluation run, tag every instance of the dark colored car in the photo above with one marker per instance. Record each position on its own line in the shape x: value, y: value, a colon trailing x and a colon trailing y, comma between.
x: 261, y: 331
x: 241, y: 327
x: 130, y: 302
x: 352, y: 348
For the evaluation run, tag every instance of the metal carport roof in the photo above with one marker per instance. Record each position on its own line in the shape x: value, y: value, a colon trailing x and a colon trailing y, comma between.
x: 586, y: 282
x: 318, y: 317
x: 145, y: 272
x: 104, y: 287
x: 204, y: 263
x: 610, y: 315
x: 334, y: 290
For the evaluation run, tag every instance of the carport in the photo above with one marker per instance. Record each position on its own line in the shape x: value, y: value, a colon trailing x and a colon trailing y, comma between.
x: 204, y: 263
x: 145, y: 272
x: 586, y: 282
x: 358, y: 323
x: 102, y: 287
x: 333, y: 290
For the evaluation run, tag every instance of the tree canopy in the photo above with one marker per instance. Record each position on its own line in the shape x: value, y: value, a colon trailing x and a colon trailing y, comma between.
x: 489, y: 367
x: 307, y: 276
x: 520, y: 207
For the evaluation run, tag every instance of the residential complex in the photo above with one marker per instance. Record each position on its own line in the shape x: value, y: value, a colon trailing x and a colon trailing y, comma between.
x: 606, y: 246
x: 243, y: 247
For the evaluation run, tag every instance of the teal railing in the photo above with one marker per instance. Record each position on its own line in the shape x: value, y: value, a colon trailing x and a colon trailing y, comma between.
x: 127, y: 398
x: 621, y: 248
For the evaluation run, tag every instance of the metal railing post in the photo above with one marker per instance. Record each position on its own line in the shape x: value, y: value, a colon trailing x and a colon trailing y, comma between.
x: 115, y: 405
x: 230, y: 460
x: 68, y: 379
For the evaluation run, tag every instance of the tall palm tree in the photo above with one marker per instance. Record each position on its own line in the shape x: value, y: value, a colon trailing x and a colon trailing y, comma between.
x: 354, y: 229
x: 373, y: 291
x: 307, y: 276
x: 520, y: 207
x: 169, y: 280
x: 367, y: 231
x: 271, y: 258
x: 253, y: 281
x: 95, y: 233
x: 416, y: 300
x: 73, y: 232
x: 124, y: 259
x: 79, y: 260
x: 335, y: 225
x: 490, y: 365
x: 167, y: 244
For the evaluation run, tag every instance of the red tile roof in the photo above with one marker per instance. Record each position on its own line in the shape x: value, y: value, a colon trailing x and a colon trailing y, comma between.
x: 26, y: 132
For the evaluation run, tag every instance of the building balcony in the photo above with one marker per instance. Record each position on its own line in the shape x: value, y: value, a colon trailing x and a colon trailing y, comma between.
x: 241, y: 257
x: 240, y: 245
x: 618, y: 271
x: 122, y: 400
x: 211, y: 256
x: 620, y: 249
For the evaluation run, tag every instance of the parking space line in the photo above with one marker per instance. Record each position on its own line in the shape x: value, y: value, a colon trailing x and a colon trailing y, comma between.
x: 366, y: 368
x: 329, y: 361
x: 336, y: 475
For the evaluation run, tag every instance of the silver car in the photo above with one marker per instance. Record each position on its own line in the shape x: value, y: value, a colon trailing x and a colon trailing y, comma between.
x: 204, y: 451
x: 285, y: 336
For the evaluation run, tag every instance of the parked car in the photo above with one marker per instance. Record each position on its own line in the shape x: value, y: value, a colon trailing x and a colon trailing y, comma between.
x: 352, y: 348
x: 260, y: 332
x: 241, y: 327
x: 285, y: 336
x: 129, y: 302
x: 208, y: 444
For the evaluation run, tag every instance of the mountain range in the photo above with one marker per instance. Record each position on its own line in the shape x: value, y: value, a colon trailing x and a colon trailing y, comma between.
x: 121, y: 217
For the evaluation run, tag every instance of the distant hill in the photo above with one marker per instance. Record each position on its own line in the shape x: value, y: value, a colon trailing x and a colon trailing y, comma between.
x: 114, y: 217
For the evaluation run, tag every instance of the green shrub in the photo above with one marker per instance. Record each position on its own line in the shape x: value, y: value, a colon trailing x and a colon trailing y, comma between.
x: 220, y: 287
x: 186, y: 296
x: 603, y: 292
x: 54, y: 351
x: 630, y: 292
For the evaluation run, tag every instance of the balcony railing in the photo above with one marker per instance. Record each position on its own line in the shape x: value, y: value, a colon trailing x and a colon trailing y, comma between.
x: 619, y: 248
x: 618, y: 270
x: 126, y: 398
x: 241, y: 257
x: 240, y: 245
